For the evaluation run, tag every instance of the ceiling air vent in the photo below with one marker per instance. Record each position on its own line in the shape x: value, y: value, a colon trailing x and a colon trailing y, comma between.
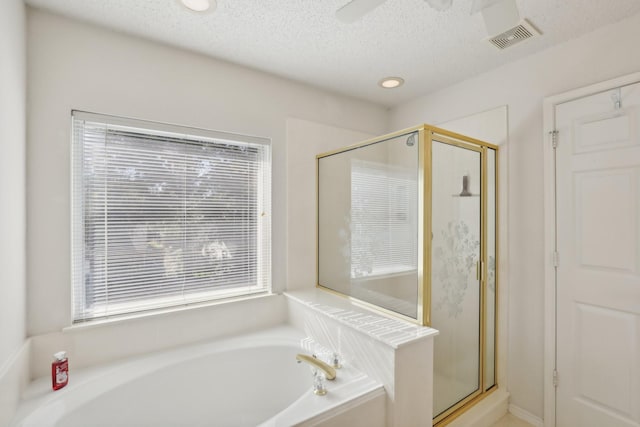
x: 523, y: 31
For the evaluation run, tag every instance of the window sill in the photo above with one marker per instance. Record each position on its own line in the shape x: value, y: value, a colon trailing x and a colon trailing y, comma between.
x: 161, y: 312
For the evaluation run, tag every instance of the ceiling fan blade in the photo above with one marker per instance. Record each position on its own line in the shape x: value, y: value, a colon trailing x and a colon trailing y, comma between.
x: 440, y: 5
x: 356, y: 9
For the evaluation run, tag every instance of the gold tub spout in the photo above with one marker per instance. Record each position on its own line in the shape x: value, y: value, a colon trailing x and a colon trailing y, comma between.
x: 329, y: 372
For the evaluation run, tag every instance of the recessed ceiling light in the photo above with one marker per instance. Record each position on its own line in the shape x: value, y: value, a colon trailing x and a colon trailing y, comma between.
x: 391, y: 82
x: 200, y: 5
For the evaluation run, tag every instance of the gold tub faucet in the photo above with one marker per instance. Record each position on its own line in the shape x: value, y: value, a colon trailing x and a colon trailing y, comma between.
x: 329, y: 372
x: 321, y: 372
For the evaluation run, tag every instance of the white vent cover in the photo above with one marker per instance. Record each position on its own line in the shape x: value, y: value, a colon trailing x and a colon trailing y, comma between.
x: 523, y: 31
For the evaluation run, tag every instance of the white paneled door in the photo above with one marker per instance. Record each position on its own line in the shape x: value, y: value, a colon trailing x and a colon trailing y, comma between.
x: 598, y: 274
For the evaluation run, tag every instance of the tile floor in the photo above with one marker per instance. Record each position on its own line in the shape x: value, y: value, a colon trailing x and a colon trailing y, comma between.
x: 511, y: 421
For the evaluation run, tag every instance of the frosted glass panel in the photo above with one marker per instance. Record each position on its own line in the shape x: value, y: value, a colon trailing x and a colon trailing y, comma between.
x: 368, y: 223
x: 455, y: 288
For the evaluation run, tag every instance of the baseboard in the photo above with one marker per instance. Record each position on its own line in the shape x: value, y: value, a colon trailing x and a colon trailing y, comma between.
x: 527, y: 416
x: 14, y: 377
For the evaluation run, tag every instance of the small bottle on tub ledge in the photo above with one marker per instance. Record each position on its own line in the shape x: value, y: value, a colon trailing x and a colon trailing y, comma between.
x: 59, y: 370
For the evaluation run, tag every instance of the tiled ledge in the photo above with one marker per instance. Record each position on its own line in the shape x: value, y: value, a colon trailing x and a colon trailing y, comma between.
x: 394, y: 352
x: 392, y: 332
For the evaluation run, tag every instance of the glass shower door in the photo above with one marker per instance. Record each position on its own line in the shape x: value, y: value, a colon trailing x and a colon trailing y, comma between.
x: 456, y: 293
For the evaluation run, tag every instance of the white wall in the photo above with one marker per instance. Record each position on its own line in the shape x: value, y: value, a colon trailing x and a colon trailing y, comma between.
x: 73, y: 65
x: 12, y: 193
x: 603, y: 54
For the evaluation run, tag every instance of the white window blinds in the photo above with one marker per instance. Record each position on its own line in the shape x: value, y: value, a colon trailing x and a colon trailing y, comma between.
x: 384, y: 208
x: 165, y: 215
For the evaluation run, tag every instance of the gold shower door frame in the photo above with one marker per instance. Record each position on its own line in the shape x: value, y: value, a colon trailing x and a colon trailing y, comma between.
x: 427, y: 134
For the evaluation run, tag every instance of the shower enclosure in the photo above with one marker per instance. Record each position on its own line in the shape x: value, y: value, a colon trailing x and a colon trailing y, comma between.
x: 407, y: 225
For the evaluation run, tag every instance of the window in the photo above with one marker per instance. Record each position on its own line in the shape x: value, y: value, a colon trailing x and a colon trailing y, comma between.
x: 165, y: 215
x: 383, y: 219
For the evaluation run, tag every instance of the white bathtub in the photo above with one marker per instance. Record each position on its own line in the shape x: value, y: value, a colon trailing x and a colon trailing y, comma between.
x: 248, y: 380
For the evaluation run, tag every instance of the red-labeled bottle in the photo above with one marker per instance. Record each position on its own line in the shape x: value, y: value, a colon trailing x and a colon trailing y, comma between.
x: 59, y: 370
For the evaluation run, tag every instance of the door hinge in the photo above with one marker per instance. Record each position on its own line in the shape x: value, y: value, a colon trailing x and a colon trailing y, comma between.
x: 554, y: 138
x: 555, y: 378
x: 556, y: 259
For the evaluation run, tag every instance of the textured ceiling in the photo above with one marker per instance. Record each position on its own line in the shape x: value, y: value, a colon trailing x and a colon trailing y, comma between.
x: 302, y: 40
